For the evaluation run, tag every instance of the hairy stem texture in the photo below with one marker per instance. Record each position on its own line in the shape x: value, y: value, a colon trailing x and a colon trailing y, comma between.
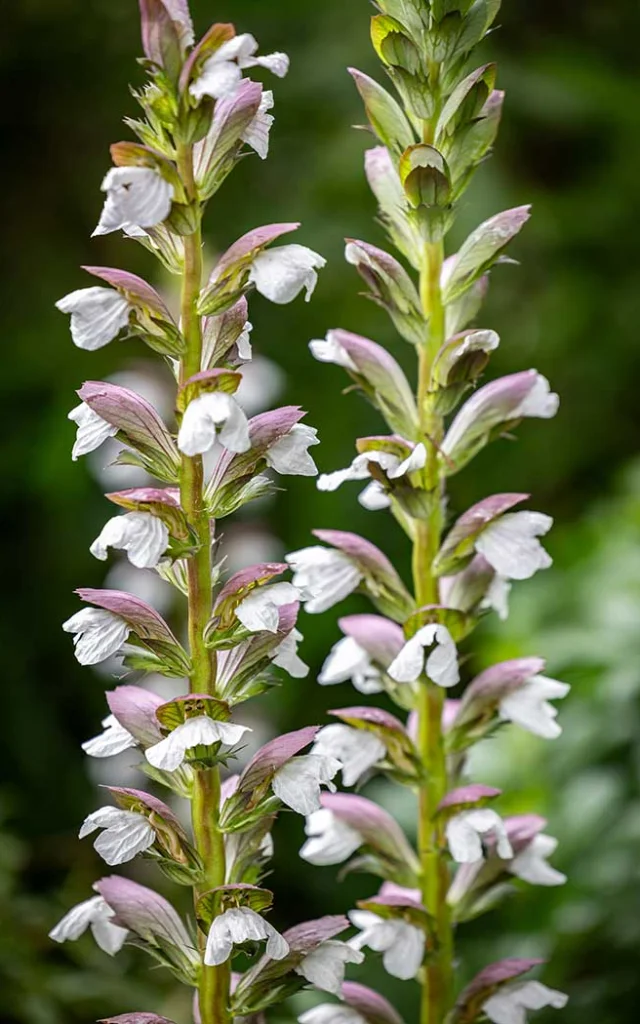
x: 437, y: 987
x: 214, y: 981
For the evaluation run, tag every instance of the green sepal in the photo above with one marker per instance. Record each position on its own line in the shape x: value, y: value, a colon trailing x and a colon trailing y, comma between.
x: 184, y: 218
x: 176, y: 712
x: 156, y: 656
x: 227, y: 381
x: 230, y: 497
x: 425, y: 176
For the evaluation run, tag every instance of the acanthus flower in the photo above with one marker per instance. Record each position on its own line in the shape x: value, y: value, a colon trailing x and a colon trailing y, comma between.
x: 281, y: 274
x: 98, y: 315
x: 357, y: 751
x: 170, y: 752
x: 375, y: 495
x: 143, y: 536
x: 401, y: 943
x: 440, y: 665
x: 114, y: 739
x: 125, y: 835
x: 222, y: 72
x: 213, y: 417
x: 237, y: 926
x: 95, y: 914
x: 137, y: 198
x: 467, y: 831
x: 510, y: 1003
x: 92, y: 430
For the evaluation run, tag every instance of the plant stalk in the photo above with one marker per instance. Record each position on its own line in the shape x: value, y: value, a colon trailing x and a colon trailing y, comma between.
x: 436, y: 994
x: 205, y: 808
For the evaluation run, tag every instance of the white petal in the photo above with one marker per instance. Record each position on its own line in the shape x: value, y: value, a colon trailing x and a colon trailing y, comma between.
x: 121, y: 843
x: 289, y: 455
x: 280, y: 274
x: 358, y: 470
x: 277, y: 946
x: 528, y: 706
x: 374, y: 497
x: 211, y: 417
x: 257, y: 134
x: 102, y: 818
x: 137, y: 197
x: 218, y: 78
x: 463, y: 840
x: 324, y: 576
x: 286, y: 656
x: 509, y: 1004
x: 442, y: 663
x: 169, y: 753
x: 277, y: 63
x: 114, y: 740
x: 92, y: 430
x: 357, y: 750
x: 98, y: 634
x: 93, y: 913
x: 327, y: 1013
x: 403, y: 958
x: 540, y: 402
x: 531, y: 863
x: 97, y: 316
x: 331, y: 840
x: 329, y: 350
x: 511, y: 546
x: 345, y: 661
x: 416, y: 460
x: 324, y: 966
x: 259, y: 610
x: 143, y: 536
x: 497, y: 597
x: 408, y: 665
x: 297, y: 783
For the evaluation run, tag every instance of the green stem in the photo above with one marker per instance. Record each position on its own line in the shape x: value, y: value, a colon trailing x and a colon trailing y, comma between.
x: 436, y: 995
x: 205, y: 808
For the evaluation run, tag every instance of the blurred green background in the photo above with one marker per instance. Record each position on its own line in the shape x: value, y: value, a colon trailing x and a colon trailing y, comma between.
x: 570, y: 143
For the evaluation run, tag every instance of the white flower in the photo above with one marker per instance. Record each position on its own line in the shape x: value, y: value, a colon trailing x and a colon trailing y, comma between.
x: 401, y: 943
x: 114, y: 740
x: 259, y: 610
x: 328, y: 350
x: 324, y: 966
x: 170, y: 752
x: 286, y: 656
x: 529, y: 707
x: 347, y: 660
x: 357, y: 749
x: 241, y: 924
x: 510, y: 1003
x: 330, y: 1013
x: 97, y: 316
x: 466, y: 831
x: 280, y: 274
x: 374, y: 496
x: 213, y: 416
x: 510, y: 544
x: 92, y: 430
x: 144, y: 537
x: 137, y: 197
x: 324, y: 576
x: 441, y: 665
x: 98, y: 634
x: 126, y: 834
x: 531, y: 863
x: 297, y: 783
x: 257, y: 134
x: 331, y: 841
x: 95, y: 914
x: 223, y: 70
x: 289, y: 455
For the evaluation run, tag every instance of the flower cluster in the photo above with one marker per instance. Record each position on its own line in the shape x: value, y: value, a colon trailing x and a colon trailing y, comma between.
x: 200, y: 116
x: 432, y: 135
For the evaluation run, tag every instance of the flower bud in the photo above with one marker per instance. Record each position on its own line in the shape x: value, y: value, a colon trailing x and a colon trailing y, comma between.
x: 390, y: 286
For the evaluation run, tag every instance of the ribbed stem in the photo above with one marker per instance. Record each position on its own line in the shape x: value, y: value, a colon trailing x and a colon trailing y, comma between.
x: 205, y: 807
x: 437, y: 987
